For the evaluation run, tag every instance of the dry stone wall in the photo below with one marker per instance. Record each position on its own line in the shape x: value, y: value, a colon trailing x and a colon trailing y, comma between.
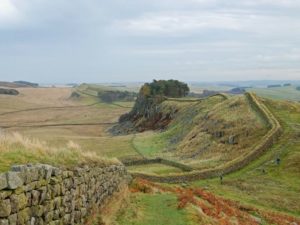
x: 42, y: 194
x: 145, y: 161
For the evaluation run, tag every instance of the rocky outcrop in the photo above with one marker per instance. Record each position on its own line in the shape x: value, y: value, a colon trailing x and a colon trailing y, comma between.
x: 146, y: 113
x: 42, y: 194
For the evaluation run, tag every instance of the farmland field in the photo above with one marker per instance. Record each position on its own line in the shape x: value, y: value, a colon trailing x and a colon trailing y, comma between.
x: 51, y: 116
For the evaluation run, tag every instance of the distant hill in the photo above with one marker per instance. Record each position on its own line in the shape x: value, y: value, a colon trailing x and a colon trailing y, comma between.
x: 207, y: 93
x: 17, y: 84
x: 26, y: 83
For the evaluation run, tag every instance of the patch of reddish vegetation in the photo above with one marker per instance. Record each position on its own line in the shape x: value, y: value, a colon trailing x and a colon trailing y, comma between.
x: 221, y: 210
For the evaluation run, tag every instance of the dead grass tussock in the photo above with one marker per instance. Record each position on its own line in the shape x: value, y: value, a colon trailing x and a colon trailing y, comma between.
x: 16, y: 148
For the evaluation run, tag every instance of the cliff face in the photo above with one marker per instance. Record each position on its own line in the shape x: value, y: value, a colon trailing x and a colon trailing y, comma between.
x: 42, y: 194
x: 148, y: 112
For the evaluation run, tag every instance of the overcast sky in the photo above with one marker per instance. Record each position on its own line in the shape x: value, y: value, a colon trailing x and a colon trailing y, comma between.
x: 138, y: 40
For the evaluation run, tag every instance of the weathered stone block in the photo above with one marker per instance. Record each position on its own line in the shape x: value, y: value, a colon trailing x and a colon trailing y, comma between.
x: 48, y: 171
x: 4, y: 194
x: 48, y: 217
x: 35, y: 197
x: 3, y: 222
x: 13, y: 219
x: 5, y: 208
x: 67, y: 218
x: 18, y: 202
x: 49, y: 206
x: 37, y: 210
x: 23, y: 216
x: 32, y: 221
x: 14, y: 180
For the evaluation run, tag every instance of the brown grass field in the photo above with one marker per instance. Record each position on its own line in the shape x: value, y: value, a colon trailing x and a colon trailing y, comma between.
x: 51, y: 116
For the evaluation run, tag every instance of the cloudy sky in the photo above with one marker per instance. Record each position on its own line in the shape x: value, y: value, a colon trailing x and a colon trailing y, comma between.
x: 138, y: 40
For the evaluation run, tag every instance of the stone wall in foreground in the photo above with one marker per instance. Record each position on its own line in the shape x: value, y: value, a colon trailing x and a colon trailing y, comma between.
x: 42, y: 194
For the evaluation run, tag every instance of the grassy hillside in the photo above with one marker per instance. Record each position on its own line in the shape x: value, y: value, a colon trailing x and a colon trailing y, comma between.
x: 17, y: 149
x: 206, y: 133
x: 264, y: 183
x: 268, y: 192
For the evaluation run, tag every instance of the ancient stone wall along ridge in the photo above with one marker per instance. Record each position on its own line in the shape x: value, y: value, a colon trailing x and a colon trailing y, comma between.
x: 42, y: 194
x: 236, y: 164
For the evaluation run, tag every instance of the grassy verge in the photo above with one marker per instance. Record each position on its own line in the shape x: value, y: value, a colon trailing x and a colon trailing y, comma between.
x: 17, y: 149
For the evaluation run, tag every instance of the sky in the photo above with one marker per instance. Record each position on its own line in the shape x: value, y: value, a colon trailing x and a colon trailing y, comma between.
x: 139, y: 40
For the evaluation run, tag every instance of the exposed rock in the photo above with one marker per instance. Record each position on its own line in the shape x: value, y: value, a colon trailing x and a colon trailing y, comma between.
x: 4, y: 222
x: 18, y: 202
x: 5, y: 208
x: 232, y: 140
x: 13, y: 219
x: 14, y: 180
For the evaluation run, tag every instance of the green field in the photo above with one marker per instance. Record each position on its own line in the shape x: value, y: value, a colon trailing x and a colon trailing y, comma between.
x: 284, y: 93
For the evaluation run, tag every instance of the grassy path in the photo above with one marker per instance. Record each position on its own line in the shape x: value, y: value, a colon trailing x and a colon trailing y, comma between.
x: 153, y: 209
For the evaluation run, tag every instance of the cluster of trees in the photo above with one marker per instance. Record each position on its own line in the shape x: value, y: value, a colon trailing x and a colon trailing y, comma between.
x: 112, y: 96
x: 8, y: 91
x: 298, y: 88
x: 168, y: 88
x: 274, y: 85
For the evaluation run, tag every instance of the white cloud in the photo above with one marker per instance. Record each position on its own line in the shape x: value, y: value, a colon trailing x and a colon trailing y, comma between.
x: 281, y: 3
x: 8, y: 13
x: 176, y: 22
